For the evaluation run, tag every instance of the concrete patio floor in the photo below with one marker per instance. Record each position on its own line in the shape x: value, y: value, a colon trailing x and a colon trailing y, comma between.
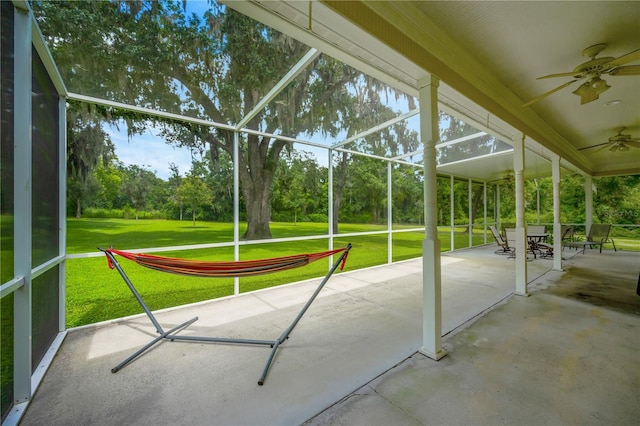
x: 568, y: 354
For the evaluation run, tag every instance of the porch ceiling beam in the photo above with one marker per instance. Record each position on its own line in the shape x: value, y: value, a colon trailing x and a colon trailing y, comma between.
x: 378, y: 127
x: 309, y: 57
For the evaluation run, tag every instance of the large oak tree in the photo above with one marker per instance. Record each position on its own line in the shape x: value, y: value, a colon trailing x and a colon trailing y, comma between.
x: 216, y: 65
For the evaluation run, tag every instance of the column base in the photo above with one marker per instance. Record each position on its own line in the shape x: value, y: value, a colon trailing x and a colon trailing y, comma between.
x: 519, y: 293
x: 435, y: 356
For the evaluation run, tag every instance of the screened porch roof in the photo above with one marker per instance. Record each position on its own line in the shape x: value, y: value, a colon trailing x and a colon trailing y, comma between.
x: 482, y: 92
x: 489, y: 56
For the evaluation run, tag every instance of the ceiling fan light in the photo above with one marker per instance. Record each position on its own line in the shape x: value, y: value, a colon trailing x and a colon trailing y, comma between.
x: 599, y: 85
x: 591, y: 90
x: 623, y: 147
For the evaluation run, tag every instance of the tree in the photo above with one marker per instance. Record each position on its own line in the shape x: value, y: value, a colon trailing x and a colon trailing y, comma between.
x: 452, y: 128
x: 151, y: 53
x: 194, y: 194
x: 299, y: 187
x: 365, y: 110
x: 110, y: 179
x: 407, y: 194
x: 88, y: 146
x: 370, y: 186
x: 174, y: 183
x: 617, y: 199
x: 217, y: 172
x: 136, y: 185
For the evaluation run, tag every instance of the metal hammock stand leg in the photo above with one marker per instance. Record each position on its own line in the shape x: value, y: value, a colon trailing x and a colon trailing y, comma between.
x: 172, y: 336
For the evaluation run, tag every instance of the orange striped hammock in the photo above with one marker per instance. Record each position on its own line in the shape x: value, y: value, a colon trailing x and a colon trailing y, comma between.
x: 200, y: 268
x: 244, y: 268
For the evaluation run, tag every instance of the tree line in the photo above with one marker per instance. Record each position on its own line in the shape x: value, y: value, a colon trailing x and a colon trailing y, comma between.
x: 98, y: 182
x: 299, y: 191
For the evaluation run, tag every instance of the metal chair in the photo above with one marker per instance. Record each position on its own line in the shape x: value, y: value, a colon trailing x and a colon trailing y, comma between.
x: 546, y: 250
x: 598, y: 236
x: 502, y: 243
x: 511, y: 240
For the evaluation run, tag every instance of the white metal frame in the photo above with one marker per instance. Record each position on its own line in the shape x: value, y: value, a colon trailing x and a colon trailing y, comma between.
x: 22, y: 204
x: 26, y: 37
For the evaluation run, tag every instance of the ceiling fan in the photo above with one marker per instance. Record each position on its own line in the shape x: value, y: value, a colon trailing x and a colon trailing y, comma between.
x: 592, y: 70
x: 618, y: 142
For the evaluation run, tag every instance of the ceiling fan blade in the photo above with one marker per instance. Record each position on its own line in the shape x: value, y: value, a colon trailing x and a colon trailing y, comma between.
x: 549, y: 93
x: 629, y: 57
x: 562, y: 74
x: 627, y: 70
x: 594, y: 146
x: 633, y: 143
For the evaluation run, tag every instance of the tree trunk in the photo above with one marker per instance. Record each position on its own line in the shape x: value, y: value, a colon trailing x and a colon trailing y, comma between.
x: 257, y: 194
x: 338, y: 191
x: 256, y: 176
x: 476, y: 204
x: 78, y: 208
x: 258, y: 217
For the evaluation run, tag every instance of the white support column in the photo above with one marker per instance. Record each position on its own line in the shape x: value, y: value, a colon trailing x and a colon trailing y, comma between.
x: 22, y: 206
x: 537, y: 201
x: 236, y: 207
x: 588, y: 203
x: 431, y: 277
x: 330, y: 200
x: 470, y: 211
x: 484, y: 198
x: 497, y: 203
x: 557, y: 226
x: 389, y: 214
x: 452, y: 216
x: 521, y: 238
x: 62, y: 211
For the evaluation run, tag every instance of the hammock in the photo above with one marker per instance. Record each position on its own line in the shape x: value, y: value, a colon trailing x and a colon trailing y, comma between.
x: 222, y: 269
x: 218, y: 269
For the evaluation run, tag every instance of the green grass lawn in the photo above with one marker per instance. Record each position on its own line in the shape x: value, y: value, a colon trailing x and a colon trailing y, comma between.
x: 96, y: 293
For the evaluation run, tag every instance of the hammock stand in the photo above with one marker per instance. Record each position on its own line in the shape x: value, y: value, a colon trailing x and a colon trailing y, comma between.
x: 219, y: 269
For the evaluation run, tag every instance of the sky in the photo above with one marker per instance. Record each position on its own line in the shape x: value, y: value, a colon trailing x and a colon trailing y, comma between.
x: 149, y: 151
x: 153, y: 153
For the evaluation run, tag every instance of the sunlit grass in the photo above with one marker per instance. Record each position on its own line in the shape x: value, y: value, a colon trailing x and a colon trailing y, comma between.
x: 95, y: 293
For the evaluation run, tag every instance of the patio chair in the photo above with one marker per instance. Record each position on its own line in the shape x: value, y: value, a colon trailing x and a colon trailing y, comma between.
x: 510, y: 234
x: 546, y: 250
x: 598, y: 236
x: 505, y: 226
x: 536, y: 229
x: 502, y: 243
x: 567, y: 234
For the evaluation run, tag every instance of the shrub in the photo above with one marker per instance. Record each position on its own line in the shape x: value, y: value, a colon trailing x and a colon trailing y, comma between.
x: 318, y: 218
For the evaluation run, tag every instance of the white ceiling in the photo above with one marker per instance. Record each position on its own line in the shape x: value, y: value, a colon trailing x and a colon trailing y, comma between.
x: 488, y: 55
x: 520, y: 41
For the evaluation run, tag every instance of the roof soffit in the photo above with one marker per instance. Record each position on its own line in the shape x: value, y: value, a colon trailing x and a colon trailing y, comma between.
x: 405, y: 28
